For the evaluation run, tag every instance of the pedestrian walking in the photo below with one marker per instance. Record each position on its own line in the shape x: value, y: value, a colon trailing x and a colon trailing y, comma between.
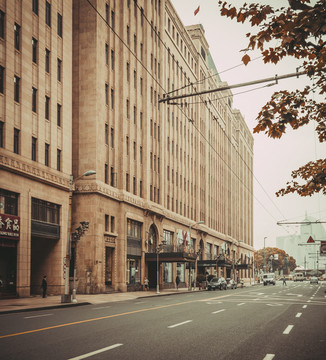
x: 284, y: 281
x: 177, y: 281
x: 146, y: 283
x: 44, y: 286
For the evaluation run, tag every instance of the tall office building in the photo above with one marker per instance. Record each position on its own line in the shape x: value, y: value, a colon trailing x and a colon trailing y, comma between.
x: 173, y: 186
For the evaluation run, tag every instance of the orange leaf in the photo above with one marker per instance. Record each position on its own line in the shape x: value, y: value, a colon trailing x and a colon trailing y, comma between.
x: 245, y: 59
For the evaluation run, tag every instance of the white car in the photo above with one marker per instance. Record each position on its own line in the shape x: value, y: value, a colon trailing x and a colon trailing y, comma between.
x: 314, y: 280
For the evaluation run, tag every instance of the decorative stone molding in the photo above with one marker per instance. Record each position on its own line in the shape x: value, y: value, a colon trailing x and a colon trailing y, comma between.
x: 23, y: 168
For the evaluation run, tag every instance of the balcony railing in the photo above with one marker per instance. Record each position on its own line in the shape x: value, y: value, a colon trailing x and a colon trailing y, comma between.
x: 172, y: 248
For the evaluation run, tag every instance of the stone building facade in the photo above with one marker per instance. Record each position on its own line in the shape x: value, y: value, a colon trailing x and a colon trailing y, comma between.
x: 172, y: 194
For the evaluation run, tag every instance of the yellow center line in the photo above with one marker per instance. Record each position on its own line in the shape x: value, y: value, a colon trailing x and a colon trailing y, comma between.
x: 100, y: 318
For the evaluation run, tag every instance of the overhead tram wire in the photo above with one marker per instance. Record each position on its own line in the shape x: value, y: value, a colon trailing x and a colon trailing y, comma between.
x: 190, y: 120
x: 211, y: 76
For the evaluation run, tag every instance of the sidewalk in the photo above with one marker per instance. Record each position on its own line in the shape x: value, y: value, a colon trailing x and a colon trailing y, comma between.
x: 51, y: 302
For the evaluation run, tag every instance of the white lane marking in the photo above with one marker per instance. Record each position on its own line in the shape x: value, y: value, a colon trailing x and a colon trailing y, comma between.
x: 214, y: 302
x: 35, y: 316
x: 269, y: 357
x: 175, y: 325
x: 288, y: 329
x: 304, y: 306
x: 275, y: 304
x: 101, y: 307
x: 140, y: 302
x: 95, y: 352
x: 298, y: 315
x: 218, y: 311
x: 241, y: 304
x: 308, y: 300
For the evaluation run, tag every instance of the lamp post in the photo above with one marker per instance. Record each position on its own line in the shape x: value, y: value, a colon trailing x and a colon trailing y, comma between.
x: 158, y: 250
x: 66, y: 298
x: 189, y: 235
x: 264, y: 255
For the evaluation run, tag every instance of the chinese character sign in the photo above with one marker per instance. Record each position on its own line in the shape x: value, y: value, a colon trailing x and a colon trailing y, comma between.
x: 9, y: 227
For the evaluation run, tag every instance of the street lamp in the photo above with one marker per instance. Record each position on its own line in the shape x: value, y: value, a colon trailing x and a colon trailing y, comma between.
x: 66, y: 298
x: 158, y: 250
x: 189, y: 235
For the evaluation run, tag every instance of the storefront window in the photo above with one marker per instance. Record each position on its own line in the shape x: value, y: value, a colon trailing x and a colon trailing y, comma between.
x: 181, y: 271
x: 167, y: 272
x: 133, y: 271
x: 45, y: 211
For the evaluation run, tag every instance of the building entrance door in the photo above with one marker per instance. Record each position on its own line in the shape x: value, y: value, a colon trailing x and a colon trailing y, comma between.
x: 152, y: 274
x: 109, y: 252
x: 8, y: 264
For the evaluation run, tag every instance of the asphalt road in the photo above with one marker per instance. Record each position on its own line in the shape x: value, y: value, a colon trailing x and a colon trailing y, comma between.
x: 261, y: 322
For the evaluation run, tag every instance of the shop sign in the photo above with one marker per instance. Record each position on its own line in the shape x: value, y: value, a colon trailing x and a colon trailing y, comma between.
x: 9, y: 227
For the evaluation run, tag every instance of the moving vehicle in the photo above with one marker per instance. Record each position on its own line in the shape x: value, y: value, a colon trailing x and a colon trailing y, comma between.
x: 217, y: 283
x: 269, y: 279
x: 314, y: 280
x: 231, y: 284
x: 298, y: 277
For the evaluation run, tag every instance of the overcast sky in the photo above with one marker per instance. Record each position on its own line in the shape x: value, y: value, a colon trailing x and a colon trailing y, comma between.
x: 273, y: 159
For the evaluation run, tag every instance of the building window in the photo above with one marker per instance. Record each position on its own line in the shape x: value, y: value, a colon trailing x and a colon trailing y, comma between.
x: 127, y: 145
x: 47, y: 60
x: 112, y: 20
x: 10, y: 202
x: 140, y: 188
x: 60, y: 25
x: 48, y: 13
x: 112, y: 60
x: 58, y: 114
x: 134, y: 185
x: 112, y: 99
x: 47, y: 155
x: 58, y: 159
x: 106, y: 94
x: 141, y: 154
x: 47, y: 107
x: 34, y: 148
x: 128, y: 72
x: 112, y: 224
x: 107, y: 54
x: 16, y: 88
x: 16, y: 141
x: 34, y: 51
x: 1, y: 134
x: 34, y: 99
x: 106, y: 134
x: 17, y: 36
x: 2, y: 79
x: 35, y: 7
x: 112, y: 176
x: 127, y: 182
x: 2, y: 24
x: 59, y: 69
x: 45, y: 211
x: 112, y: 137
x: 107, y: 224
x: 106, y: 174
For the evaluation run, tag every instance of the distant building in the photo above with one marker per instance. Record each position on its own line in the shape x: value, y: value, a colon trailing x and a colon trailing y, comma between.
x: 296, y: 244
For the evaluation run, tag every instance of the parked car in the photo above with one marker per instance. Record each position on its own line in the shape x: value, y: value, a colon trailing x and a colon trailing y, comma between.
x: 217, y: 283
x: 314, y: 280
x: 231, y: 284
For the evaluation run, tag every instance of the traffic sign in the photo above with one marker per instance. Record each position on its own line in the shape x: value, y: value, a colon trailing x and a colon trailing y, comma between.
x: 310, y: 240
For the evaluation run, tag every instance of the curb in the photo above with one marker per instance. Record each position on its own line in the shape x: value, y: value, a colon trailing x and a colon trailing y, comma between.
x: 43, y: 308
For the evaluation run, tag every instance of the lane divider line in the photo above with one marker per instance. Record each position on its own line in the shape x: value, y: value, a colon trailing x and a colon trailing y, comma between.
x: 298, y: 315
x: 288, y: 329
x: 179, y: 324
x: 36, y: 316
x: 269, y: 357
x: 218, y: 311
x: 95, y: 352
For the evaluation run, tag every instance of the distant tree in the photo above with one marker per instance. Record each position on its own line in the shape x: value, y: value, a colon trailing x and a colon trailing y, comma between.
x: 298, y: 31
x: 284, y: 260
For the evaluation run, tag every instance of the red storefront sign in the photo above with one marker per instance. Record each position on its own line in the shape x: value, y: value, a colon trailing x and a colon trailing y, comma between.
x: 9, y: 227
